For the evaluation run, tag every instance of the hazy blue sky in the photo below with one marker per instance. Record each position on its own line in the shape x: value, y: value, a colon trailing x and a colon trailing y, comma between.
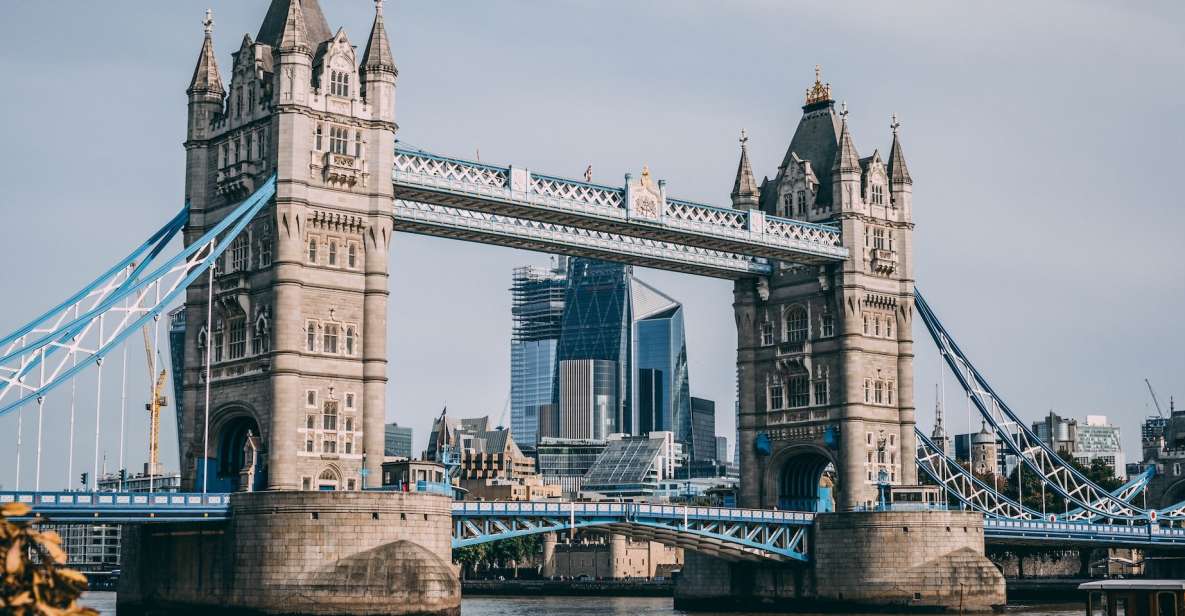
x: 1043, y: 139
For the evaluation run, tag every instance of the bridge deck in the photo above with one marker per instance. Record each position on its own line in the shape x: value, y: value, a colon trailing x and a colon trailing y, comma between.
x: 730, y: 532
x: 516, y: 193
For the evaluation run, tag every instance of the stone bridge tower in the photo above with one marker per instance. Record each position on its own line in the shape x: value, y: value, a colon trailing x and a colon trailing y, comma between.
x: 299, y: 328
x: 825, y: 353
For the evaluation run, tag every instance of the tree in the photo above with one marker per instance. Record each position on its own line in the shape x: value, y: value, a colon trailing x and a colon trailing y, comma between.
x: 35, y: 580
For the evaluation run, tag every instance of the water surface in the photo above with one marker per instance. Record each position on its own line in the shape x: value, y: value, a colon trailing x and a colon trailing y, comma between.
x: 580, y: 606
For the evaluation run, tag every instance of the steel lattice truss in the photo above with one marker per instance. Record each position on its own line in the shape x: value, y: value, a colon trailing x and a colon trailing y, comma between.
x: 732, y: 534
x: 977, y: 495
x: 442, y: 221
x: 1094, y: 501
x: 516, y: 192
x: 79, y: 332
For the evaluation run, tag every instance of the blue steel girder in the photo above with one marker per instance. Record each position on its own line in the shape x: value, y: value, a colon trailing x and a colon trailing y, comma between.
x: 80, y: 332
x: 1034, y: 454
x: 734, y: 534
x: 516, y: 192
x: 969, y: 490
x: 474, y: 226
x: 1037, y: 532
x: 121, y: 507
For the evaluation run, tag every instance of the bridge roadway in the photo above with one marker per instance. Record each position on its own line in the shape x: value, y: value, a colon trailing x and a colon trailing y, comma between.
x: 636, y: 222
x: 730, y: 533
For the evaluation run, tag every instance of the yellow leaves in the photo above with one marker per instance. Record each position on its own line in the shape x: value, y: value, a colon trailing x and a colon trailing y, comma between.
x: 14, y: 560
x: 73, y: 577
x: 33, y: 581
x: 14, y: 510
x: 54, y: 551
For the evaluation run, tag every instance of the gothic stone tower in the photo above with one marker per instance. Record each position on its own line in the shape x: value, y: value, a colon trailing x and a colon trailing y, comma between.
x: 825, y: 353
x: 299, y: 328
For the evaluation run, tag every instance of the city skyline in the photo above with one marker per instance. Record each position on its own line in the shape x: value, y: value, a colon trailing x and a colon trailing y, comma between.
x: 1072, y: 378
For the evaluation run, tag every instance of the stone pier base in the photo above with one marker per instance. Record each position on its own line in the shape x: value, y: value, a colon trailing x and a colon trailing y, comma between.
x: 309, y: 553
x: 861, y: 561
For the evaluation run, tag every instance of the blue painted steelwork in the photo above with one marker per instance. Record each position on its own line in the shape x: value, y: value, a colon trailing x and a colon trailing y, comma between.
x: 1036, y: 531
x: 737, y: 534
x: 121, y: 507
x: 187, y: 266
x: 447, y: 182
x: 1034, y: 453
x: 974, y: 494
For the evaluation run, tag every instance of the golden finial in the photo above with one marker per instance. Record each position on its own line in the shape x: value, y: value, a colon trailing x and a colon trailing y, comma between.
x: 819, y: 92
x: 645, y: 174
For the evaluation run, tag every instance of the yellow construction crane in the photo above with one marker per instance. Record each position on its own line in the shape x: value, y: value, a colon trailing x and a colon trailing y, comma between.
x: 156, y: 402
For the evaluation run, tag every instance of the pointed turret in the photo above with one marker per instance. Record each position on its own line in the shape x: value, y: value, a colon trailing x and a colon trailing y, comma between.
x: 900, y: 183
x: 744, y: 190
x: 847, y: 160
x: 898, y: 172
x: 377, y: 56
x: 845, y: 171
x: 378, y: 71
x: 206, y: 78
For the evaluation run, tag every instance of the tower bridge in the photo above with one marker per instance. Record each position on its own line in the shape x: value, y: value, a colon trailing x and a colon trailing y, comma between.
x: 294, y: 188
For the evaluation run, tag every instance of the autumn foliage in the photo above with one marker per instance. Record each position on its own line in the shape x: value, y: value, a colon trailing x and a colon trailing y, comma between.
x: 35, y: 581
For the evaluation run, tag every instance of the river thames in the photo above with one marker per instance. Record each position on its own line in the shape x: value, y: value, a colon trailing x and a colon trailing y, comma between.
x: 573, y: 606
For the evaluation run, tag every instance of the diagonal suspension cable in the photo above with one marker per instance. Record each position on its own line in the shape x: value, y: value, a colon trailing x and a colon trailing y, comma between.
x: 130, y: 296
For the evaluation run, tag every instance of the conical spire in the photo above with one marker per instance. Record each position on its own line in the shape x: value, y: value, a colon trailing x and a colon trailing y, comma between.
x: 377, y: 56
x: 898, y: 172
x: 294, y: 36
x: 744, y: 190
x: 206, y: 79
x: 846, y: 159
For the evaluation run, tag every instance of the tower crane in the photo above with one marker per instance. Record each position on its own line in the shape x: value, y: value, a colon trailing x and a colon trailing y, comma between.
x: 156, y: 401
x: 1154, y: 400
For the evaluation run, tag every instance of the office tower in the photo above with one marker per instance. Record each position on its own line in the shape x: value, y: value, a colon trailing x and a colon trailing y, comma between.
x: 703, y: 430
x: 397, y: 440
x: 537, y: 309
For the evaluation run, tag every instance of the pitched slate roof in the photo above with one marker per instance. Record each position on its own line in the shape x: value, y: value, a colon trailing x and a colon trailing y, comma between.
x: 316, y: 29
x: 816, y: 140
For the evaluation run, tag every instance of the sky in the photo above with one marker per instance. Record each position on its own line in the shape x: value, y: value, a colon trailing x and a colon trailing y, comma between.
x: 1042, y: 139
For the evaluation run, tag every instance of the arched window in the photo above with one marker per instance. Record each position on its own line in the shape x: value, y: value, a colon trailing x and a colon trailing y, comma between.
x: 797, y: 328
x: 329, y: 342
x: 328, y: 479
x: 352, y: 256
x: 312, y: 250
x: 329, y: 417
x: 350, y: 340
x: 798, y: 390
x: 332, y: 253
x: 339, y: 83
x: 240, y: 253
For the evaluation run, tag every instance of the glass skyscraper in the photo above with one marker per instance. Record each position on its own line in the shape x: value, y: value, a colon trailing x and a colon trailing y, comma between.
x: 596, y: 351
x: 596, y: 325
x: 538, y: 307
x: 662, y: 394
